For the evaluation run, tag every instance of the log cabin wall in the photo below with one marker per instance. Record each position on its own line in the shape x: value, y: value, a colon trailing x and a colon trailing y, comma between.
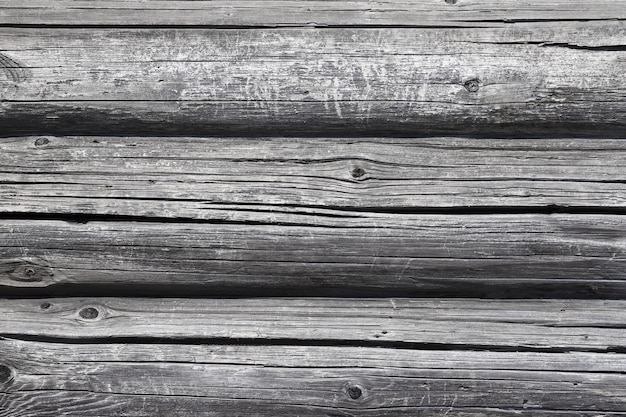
x: 312, y: 208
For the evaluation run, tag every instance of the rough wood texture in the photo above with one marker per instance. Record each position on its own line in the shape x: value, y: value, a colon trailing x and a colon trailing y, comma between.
x: 303, y: 254
x: 461, y: 324
x: 192, y: 178
x: 333, y: 190
x: 437, y: 13
x: 513, y: 81
x: 47, y: 379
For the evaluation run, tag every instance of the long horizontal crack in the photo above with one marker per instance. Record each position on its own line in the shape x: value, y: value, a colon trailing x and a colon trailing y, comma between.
x: 525, y: 289
x: 339, y: 212
x: 450, y: 24
x: 586, y: 48
x: 566, y: 45
x: 286, y: 26
x: 309, y: 342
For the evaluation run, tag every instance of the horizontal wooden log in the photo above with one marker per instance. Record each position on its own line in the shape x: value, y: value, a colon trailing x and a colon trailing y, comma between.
x: 510, y: 81
x: 309, y: 254
x: 542, y: 325
x: 47, y: 379
x: 303, y: 13
x: 195, y: 177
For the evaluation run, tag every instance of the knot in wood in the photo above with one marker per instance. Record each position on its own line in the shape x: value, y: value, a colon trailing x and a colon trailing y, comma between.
x: 358, y: 172
x: 45, y: 306
x: 451, y: 1
x: 28, y: 273
x: 354, y: 392
x: 89, y: 313
x: 472, y: 85
x: 42, y: 141
x: 5, y: 374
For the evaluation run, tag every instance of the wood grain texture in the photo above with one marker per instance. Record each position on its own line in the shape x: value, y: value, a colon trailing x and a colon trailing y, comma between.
x: 256, y: 253
x: 303, y: 13
x: 177, y: 177
x: 47, y: 379
x: 512, y: 81
x: 462, y: 324
x: 362, y: 189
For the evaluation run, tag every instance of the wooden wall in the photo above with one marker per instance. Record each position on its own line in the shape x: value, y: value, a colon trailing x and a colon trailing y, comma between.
x: 312, y: 208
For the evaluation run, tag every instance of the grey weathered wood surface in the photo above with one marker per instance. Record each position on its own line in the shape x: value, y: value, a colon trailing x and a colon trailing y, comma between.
x: 528, y: 80
x: 179, y: 177
x: 301, y: 254
x: 437, y: 13
x: 333, y: 202
x: 461, y: 324
x: 112, y: 379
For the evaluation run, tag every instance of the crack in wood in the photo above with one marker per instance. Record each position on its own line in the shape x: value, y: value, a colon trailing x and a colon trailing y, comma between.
x: 548, y: 44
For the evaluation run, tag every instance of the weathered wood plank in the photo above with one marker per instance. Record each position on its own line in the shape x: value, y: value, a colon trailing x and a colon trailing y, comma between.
x: 303, y: 13
x: 562, y: 325
x: 304, y: 254
x: 194, y: 177
x: 511, y: 81
x: 46, y: 379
